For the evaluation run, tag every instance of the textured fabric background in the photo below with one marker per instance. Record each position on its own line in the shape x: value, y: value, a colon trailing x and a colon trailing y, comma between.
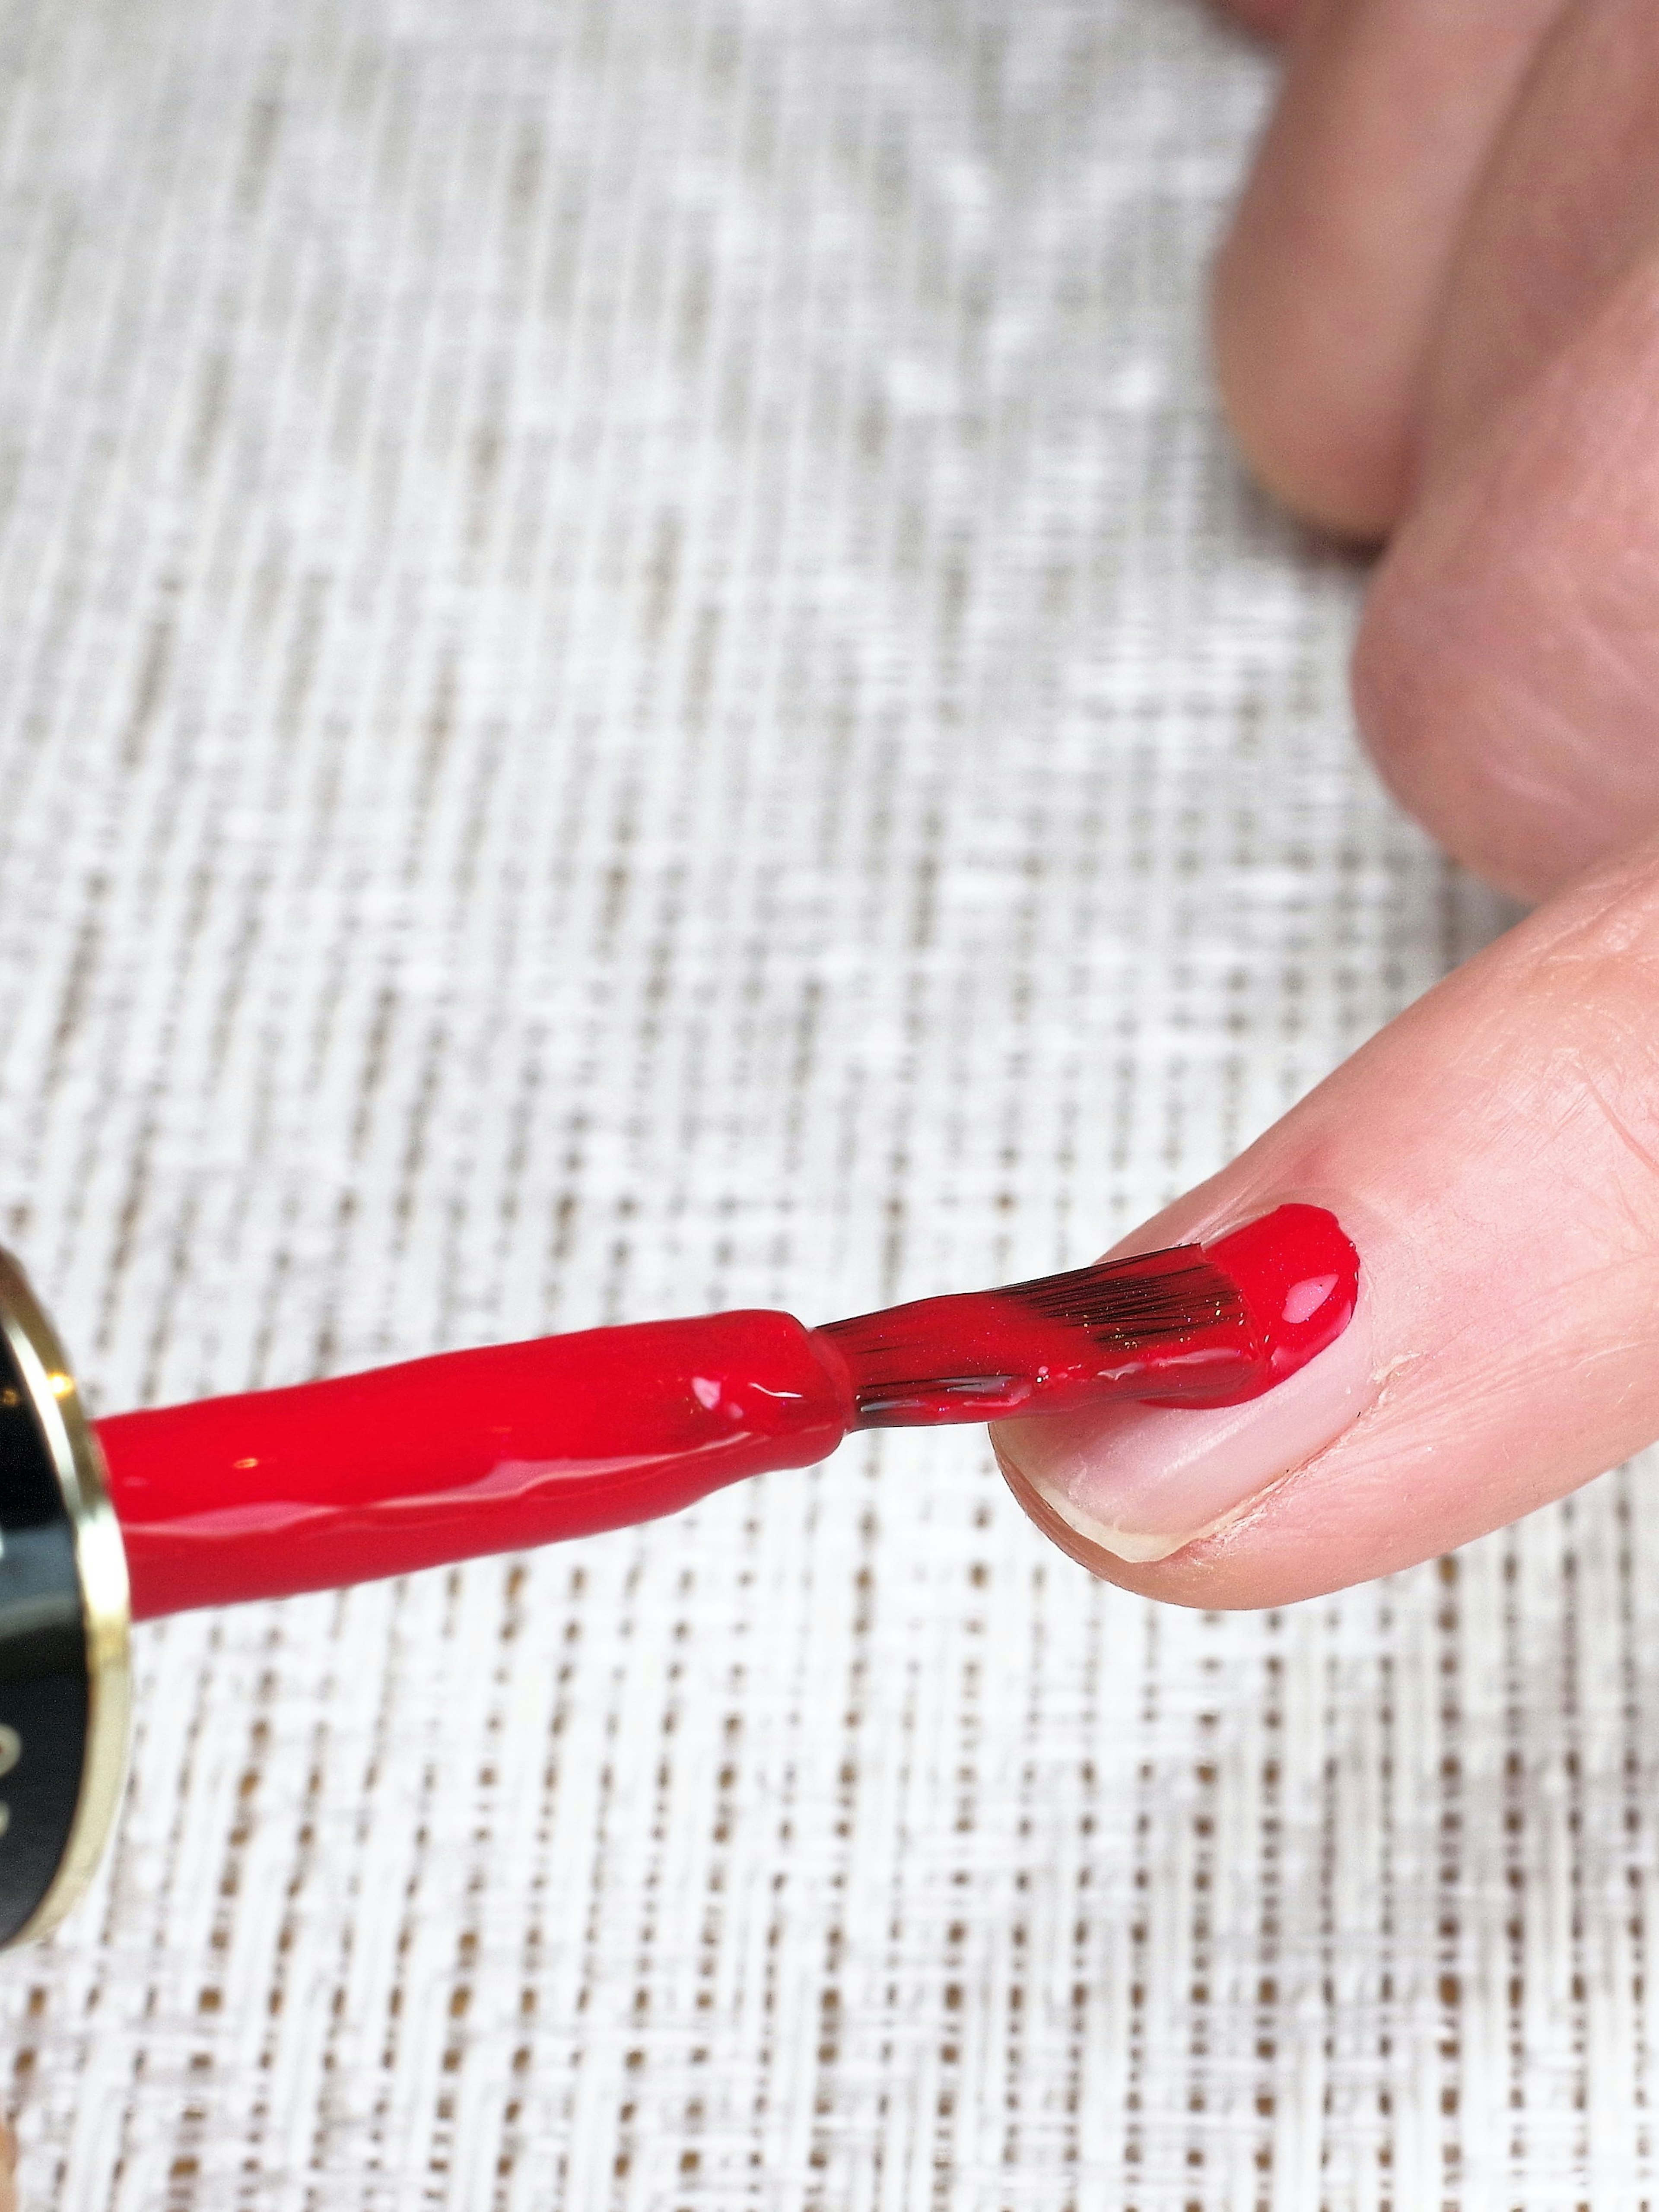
x: 632, y: 675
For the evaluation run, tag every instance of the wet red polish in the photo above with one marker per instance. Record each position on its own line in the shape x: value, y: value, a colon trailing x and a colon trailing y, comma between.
x: 514, y: 1445
x: 442, y: 1458
x: 1298, y: 1274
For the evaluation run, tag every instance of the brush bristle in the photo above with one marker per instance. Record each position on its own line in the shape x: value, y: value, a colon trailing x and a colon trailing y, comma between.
x: 1116, y: 1302
x: 970, y: 1358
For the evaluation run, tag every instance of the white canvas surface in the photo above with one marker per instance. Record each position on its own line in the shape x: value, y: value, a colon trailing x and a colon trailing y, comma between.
x: 634, y: 676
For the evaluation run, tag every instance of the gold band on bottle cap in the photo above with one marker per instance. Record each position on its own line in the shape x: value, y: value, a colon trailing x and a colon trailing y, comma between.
x: 60, y: 1550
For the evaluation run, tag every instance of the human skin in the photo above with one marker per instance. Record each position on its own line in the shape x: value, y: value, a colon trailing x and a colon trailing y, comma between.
x: 1437, y: 328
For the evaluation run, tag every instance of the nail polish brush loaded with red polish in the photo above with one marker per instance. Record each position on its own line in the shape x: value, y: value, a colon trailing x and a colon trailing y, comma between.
x: 496, y: 1449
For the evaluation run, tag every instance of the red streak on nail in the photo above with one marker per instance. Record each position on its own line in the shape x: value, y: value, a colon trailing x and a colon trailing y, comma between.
x: 518, y: 1445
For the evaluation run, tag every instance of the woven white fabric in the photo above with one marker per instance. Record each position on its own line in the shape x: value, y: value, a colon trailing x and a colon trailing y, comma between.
x: 634, y: 676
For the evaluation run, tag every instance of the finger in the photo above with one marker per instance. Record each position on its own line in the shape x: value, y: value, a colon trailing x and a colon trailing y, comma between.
x: 1564, y: 209
x: 1507, y: 675
x: 1326, y: 288
x: 1271, y: 19
x: 1494, y: 1155
x: 8, y: 2169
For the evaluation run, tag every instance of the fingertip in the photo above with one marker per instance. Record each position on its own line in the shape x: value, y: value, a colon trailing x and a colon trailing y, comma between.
x: 1213, y: 1574
x: 1128, y: 1490
x: 1342, y: 471
x: 1329, y: 291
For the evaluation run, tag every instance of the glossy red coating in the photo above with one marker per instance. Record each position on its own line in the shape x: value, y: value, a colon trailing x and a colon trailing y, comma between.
x: 1299, y: 1275
x: 1163, y: 1323
x: 442, y: 1458
x: 1189, y: 1326
x: 518, y: 1444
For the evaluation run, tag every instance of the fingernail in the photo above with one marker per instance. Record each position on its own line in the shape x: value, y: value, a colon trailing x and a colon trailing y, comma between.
x: 1143, y: 1481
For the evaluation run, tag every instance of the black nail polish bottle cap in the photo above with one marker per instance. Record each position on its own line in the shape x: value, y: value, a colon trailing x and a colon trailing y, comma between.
x: 64, y: 1677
